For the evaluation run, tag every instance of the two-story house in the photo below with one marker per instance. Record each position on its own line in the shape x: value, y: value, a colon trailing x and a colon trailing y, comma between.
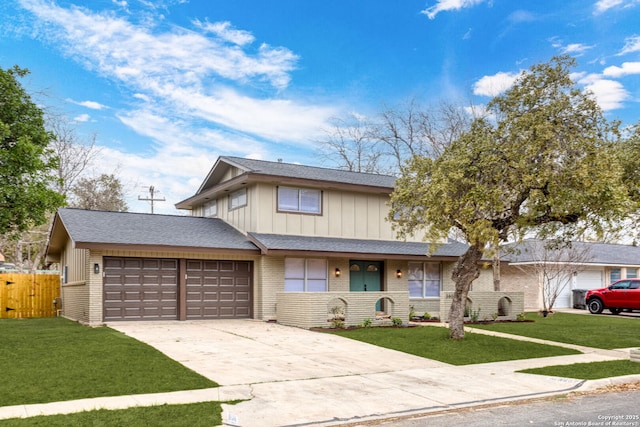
x: 266, y: 240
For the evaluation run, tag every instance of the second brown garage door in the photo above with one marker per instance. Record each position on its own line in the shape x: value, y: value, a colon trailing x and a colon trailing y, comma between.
x: 218, y: 289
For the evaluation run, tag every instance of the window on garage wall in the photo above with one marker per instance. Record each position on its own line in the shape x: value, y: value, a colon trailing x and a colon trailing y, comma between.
x: 424, y: 280
x: 632, y: 273
x: 305, y: 275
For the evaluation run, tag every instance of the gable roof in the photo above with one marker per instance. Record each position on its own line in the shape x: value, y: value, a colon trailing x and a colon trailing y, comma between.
x: 314, y: 173
x: 102, y: 229
x: 257, y: 170
x: 333, y: 246
x: 602, y: 254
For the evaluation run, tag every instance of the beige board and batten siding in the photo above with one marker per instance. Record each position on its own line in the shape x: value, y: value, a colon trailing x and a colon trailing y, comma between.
x: 345, y: 214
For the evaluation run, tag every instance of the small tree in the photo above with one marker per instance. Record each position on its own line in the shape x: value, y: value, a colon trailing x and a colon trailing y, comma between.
x: 102, y: 193
x: 545, y: 163
x: 555, y: 263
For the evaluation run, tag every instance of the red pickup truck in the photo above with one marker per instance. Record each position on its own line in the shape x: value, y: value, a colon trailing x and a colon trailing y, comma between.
x: 621, y: 295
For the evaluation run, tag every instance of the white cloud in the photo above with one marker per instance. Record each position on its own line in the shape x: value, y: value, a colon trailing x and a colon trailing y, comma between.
x: 628, y: 68
x: 631, y: 44
x: 192, y: 75
x: 609, y: 94
x: 494, y: 85
x: 604, y: 5
x: 81, y: 118
x: 89, y: 104
x: 117, y: 48
x: 225, y: 31
x: 445, y: 5
x: 575, y: 49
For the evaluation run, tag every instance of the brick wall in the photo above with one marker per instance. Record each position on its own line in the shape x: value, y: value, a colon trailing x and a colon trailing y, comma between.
x: 75, y: 301
x: 308, y: 309
x: 522, y: 279
x: 487, y: 303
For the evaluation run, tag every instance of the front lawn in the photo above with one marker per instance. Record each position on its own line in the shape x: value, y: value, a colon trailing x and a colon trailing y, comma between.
x: 204, y: 414
x: 55, y: 359
x: 433, y: 342
x: 589, y: 371
x: 607, y: 332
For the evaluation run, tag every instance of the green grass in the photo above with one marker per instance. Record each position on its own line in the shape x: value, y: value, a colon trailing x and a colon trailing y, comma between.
x: 434, y: 343
x: 205, y: 414
x: 589, y: 371
x: 607, y: 332
x: 55, y: 359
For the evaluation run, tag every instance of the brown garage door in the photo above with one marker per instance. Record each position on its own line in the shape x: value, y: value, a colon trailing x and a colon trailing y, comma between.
x: 140, y: 288
x: 218, y: 289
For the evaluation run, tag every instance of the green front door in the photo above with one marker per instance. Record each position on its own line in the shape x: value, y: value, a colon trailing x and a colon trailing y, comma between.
x: 365, y: 276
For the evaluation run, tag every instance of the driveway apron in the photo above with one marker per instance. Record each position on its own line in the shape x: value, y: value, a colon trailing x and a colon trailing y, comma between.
x: 290, y: 376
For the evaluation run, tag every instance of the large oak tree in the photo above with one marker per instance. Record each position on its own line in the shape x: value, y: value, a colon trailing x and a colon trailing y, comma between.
x: 542, y: 159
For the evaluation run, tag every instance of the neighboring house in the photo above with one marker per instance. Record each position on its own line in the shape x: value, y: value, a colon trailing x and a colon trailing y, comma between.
x: 265, y: 240
x: 591, y: 265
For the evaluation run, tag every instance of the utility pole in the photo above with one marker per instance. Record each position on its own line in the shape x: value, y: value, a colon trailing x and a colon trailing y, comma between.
x: 151, y: 199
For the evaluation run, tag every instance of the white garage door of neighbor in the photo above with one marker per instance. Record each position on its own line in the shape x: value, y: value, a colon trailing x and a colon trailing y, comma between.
x: 586, y: 279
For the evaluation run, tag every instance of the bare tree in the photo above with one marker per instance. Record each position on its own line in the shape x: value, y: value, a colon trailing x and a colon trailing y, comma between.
x: 385, y: 142
x: 411, y: 129
x: 554, y: 263
x: 74, y: 155
x: 349, y: 145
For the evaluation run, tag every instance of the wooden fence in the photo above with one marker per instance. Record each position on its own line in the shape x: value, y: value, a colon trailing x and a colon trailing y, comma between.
x: 29, y: 295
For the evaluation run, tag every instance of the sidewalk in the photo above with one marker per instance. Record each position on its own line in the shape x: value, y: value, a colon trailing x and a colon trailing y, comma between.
x: 288, y: 377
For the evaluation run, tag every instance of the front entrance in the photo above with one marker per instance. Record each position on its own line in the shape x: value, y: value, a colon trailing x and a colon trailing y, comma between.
x: 366, y: 276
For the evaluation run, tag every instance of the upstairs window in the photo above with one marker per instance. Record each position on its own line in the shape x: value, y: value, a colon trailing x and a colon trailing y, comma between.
x: 211, y: 208
x: 238, y: 199
x: 302, y: 200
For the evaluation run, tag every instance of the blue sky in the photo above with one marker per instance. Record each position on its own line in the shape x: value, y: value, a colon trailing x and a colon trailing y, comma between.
x: 167, y: 86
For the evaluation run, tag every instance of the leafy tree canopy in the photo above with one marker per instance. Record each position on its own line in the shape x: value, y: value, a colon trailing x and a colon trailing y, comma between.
x: 26, y: 165
x: 102, y: 193
x: 543, y: 158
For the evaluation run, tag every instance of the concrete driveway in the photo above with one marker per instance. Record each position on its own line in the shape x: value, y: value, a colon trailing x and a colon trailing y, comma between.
x: 290, y: 376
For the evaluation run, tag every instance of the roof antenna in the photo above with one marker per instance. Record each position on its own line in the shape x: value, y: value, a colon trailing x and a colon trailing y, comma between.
x: 151, y: 199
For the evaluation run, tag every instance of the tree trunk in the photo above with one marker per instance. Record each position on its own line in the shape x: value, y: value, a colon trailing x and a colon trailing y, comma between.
x: 467, y: 269
x: 496, y: 270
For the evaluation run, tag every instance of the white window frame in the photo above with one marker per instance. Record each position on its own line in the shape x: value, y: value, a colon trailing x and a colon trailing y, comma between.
x: 300, y: 196
x: 210, y: 208
x: 305, y: 279
x: 423, y: 278
x: 238, y: 199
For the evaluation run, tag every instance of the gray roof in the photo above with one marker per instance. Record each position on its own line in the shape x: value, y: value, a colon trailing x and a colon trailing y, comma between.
x: 124, y: 228
x: 354, y: 246
x: 598, y: 253
x: 290, y: 170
